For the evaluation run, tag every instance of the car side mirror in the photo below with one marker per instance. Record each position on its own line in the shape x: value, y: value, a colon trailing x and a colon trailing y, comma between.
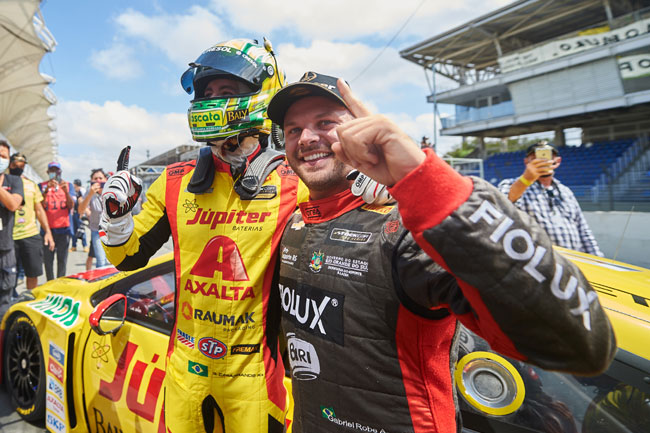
x: 108, y: 317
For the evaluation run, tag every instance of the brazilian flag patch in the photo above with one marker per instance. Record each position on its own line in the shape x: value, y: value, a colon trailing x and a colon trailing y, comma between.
x: 327, y: 412
x: 197, y: 368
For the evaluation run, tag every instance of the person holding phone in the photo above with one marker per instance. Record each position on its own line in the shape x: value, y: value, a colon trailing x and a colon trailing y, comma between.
x: 93, y: 204
x: 58, y: 204
x: 551, y: 203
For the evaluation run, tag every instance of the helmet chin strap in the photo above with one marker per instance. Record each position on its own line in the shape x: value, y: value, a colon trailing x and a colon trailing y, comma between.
x: 248, y: 171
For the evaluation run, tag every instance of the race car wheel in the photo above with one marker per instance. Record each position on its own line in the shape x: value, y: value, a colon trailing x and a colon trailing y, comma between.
x: 24, y: 369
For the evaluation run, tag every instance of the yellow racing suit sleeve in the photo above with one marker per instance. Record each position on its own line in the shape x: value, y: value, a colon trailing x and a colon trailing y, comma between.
x: 151, y: 230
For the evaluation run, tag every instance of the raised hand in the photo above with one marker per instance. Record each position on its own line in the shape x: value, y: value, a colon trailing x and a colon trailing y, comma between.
x: 374, y: 144
x: 122, y: 190
x: 120, y: 194
x: 539, y: 167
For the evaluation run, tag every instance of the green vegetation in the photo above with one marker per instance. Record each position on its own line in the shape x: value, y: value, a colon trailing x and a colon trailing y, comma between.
x: 470, y: 148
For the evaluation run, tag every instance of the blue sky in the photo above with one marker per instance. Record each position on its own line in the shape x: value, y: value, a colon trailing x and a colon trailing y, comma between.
x: 118, y: 63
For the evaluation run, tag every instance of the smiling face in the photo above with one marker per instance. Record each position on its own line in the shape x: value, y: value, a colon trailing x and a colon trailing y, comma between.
x: 309, y: 131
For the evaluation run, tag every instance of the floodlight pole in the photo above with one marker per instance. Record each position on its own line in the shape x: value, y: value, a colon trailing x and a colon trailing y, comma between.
x: 432, y: 89
x: 435, y: 108
x: 608, y: 12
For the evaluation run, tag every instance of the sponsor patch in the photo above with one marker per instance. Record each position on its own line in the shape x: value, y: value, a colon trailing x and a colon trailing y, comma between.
x: 232, y: 293
x: 206, y: 119
x: 57, y: 353
x: 51, y: 403
x: 287, y: 258
x: 267, y: 192
x: 224, y: 319
x: 244, y: 349
x: 391, y: 227
x: 187, y: 310
x: 185, y: 338
x: 179, y: 171
x: 316, y: 262
x: 236, y: 116
x: 100, y: 351
x: 54, y: 424
x: 327, y: 412
x: 303, y: 358
x: 284, y: 170
x: 190, y: 206
x: 62, y: 310
x: 313, y: 212
x: 378, y: 208
x: 233, y: 217
x: 345, y: 266
x: 350, y: 236
x: 317, y: 311
x: 222, y: 375
x: 212, y: 348
x: 54, y: 387
x: 55, y: 369
x: 297, y: 225
x: 197, y: 368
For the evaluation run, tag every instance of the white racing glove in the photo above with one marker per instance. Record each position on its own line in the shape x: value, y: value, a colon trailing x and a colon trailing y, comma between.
x: 370, y: 190
x: 119, y: 196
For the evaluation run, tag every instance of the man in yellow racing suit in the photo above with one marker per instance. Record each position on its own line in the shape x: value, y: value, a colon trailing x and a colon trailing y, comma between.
x: 225, y: 213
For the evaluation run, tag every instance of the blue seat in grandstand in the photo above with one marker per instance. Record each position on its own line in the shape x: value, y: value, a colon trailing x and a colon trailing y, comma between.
x: 581, y: 165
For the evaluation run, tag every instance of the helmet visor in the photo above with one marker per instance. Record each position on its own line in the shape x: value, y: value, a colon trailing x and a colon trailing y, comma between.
x: 229, y: 61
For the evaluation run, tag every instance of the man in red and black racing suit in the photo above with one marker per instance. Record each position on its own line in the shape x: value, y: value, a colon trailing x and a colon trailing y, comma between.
x: 372, y: 296
x: 225, y: 213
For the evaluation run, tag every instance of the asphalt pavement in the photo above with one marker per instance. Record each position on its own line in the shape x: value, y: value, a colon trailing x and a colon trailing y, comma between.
x: 10, y: 421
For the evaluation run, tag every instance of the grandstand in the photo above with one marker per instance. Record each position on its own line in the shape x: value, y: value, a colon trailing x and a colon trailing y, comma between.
x: 545, y: 66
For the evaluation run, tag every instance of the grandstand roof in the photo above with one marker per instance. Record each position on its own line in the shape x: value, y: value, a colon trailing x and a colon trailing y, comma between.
x: 476, y: 44
x: 24, y: 93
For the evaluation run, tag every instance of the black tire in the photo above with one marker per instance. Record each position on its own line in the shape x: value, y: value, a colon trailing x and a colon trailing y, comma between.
x: 24, y: 369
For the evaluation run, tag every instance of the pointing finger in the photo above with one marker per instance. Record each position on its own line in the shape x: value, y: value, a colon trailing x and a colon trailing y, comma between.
x: 355, y: 105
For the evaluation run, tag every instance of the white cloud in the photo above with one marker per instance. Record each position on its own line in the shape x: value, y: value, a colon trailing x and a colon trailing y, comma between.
x: 117, y: 61
x: 344, y: 19
x: 422, y: 126
x: 347, y: 60
x: 180, y: 37
x: 107, y: 128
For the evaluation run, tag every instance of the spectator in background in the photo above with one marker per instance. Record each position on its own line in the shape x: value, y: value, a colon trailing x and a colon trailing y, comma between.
x: 551, y: 203
x: 58, y: 204
x: 11, y: 197
x: 92, y: 201
x: 27, y: 237
x: 78, y: 228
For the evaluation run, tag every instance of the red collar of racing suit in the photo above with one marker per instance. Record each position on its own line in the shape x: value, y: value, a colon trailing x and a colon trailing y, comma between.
x: 318, y: 211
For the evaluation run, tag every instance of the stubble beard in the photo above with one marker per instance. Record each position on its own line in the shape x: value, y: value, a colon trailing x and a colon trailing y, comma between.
x: 332, y: 180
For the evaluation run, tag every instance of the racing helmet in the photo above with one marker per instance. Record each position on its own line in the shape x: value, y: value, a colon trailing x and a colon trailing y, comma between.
x: 217, y: 118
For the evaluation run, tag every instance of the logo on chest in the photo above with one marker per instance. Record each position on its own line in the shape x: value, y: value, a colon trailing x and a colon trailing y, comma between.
x: 234, y: 217
x: 313, y: 310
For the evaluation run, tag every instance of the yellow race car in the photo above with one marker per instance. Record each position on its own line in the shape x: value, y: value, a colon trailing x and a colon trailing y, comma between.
x: 87, y: 352
x: 56, y: 366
